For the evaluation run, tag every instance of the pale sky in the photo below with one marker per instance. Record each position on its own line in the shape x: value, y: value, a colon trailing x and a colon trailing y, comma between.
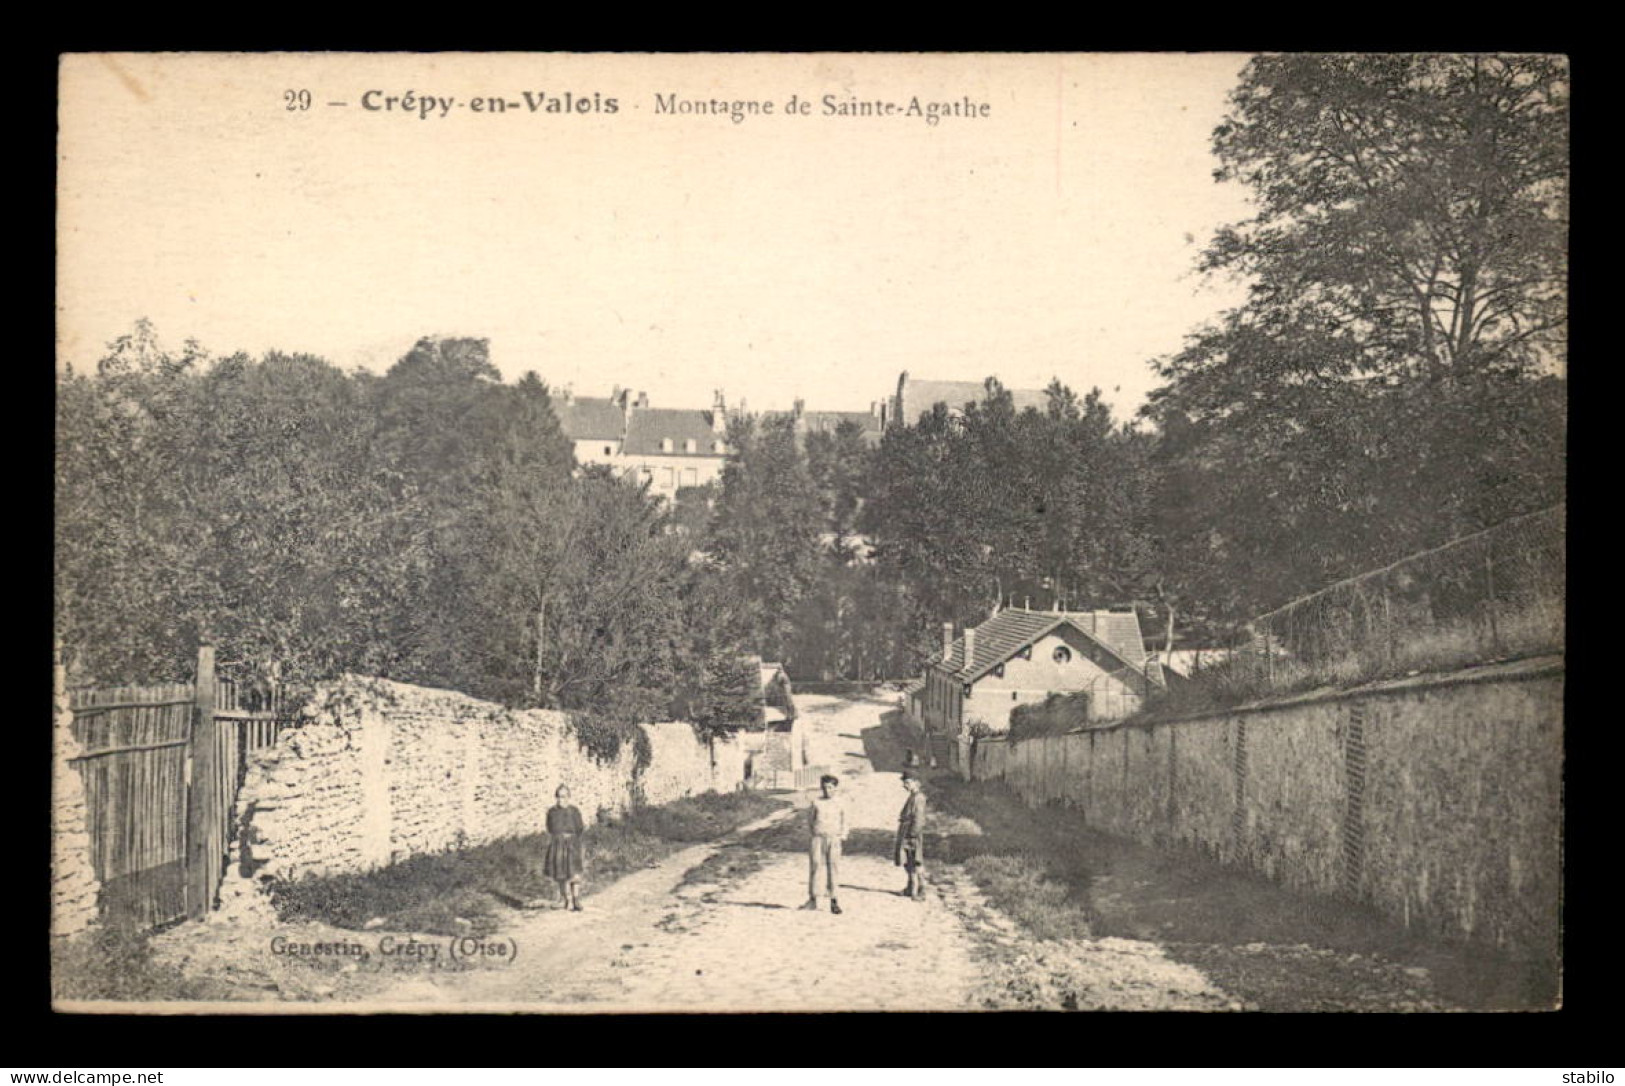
x: 813, y: 256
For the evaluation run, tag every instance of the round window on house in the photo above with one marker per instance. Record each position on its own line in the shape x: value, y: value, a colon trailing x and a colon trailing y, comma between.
x: 1062, y: 654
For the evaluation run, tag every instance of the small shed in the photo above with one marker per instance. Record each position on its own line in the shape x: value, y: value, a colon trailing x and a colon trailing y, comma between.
x: 777, y: 748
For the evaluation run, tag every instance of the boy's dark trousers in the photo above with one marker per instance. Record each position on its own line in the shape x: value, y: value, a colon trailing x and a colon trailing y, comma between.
x: 913, y: 863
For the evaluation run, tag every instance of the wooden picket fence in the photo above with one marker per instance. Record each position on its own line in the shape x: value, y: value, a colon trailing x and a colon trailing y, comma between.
x: 161, y: 767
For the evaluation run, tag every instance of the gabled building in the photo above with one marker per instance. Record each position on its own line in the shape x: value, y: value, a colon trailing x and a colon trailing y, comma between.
x: 595, y: 427
x: 670, y: 449
x: 1020, y: 657
x: 871, y: 423
x: 776, y: 749
x: 916, y: 396
x: 673, y: 448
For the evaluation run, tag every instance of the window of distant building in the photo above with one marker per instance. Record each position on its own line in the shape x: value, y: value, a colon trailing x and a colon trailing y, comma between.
x: 606, y: 450
x: 689, y: 446
x: 668, y: 478
x: 1062, y: 654
x: 717, y: 446
x: 691, y: 477
x: 665, y: 444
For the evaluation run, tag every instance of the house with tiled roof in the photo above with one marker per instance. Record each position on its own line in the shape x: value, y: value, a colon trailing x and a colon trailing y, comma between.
x: 1019, y: 657
x: 777, y: 748
x: 916, y: 396
x: 594, y: 426
x: 871, y: 424
x: 674, y: 448
x: 667, y: 448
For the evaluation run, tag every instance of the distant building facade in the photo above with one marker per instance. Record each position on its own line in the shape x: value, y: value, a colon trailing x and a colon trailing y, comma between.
x: 673, y: 448
x: 669, y: 448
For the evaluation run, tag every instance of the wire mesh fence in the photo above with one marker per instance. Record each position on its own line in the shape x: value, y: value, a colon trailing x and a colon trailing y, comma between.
x: 1494, y: 595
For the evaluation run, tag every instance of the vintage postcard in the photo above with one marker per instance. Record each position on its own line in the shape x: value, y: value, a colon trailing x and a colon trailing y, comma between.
x: 600, y: 533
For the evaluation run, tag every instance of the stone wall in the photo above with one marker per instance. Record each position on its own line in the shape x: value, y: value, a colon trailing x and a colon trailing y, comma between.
x: 1436, y: 799
x: 378, y: 771
x: 74, y: 887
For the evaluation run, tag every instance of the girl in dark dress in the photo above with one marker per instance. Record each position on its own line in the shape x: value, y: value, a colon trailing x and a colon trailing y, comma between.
x: 566, y: 860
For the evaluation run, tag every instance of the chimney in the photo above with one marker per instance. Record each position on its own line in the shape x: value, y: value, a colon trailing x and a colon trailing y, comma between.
x: 643, y: 399
x: 970, y: 645
x: 947, y: 639
x: 719, y: 414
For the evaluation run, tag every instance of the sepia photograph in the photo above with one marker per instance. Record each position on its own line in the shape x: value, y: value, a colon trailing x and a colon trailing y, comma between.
x: 611, y: 533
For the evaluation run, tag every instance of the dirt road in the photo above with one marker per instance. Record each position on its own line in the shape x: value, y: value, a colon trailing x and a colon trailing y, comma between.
x: 717, y: 927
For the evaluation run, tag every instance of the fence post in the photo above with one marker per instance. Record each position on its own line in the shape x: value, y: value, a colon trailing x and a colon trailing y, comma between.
x: 201, y: 800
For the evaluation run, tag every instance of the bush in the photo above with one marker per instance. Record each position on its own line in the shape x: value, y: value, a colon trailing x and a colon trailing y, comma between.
x: 1055, y: 715
x: 603, y: 735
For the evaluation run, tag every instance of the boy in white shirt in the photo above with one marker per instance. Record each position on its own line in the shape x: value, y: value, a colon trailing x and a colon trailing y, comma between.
x: 826, y: 818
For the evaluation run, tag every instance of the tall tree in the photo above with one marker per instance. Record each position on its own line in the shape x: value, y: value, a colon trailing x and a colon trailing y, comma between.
x: 1406, y: 274
x: 766, y: 532
x: 127, y: 575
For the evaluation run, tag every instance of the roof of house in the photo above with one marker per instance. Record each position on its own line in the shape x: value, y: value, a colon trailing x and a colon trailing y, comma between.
x: 814, y: 422
x: 919, y: 396
x: 1010, y: 631
x: 590, y: 419
x: 650, y: 425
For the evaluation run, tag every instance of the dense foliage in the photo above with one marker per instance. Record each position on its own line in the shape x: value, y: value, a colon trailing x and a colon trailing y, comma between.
x: 1393, y: 379
x: 425, y: 525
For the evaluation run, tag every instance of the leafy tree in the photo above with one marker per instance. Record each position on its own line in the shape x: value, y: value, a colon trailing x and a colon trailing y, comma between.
x: 313, y: 546
x: 728, y: 696
x: 839, y: 463
x: 127, y: 575
x: 1412, y: 213
x: 1390, y: 381
x: 765, y: 534
x: 995, y: 507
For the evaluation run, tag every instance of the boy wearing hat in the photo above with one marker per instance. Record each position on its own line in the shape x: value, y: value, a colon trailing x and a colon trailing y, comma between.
x: 910, y: 853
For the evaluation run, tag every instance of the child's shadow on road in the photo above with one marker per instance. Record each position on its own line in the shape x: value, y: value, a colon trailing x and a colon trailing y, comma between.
x: 754, y: 904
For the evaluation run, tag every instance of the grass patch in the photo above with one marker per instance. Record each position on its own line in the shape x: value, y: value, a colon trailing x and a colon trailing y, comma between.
x: 1532, y: 628
x: 1046, y: 906
x: 431, y: 894
x: 109, y: 964
x: 1280, y: 949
